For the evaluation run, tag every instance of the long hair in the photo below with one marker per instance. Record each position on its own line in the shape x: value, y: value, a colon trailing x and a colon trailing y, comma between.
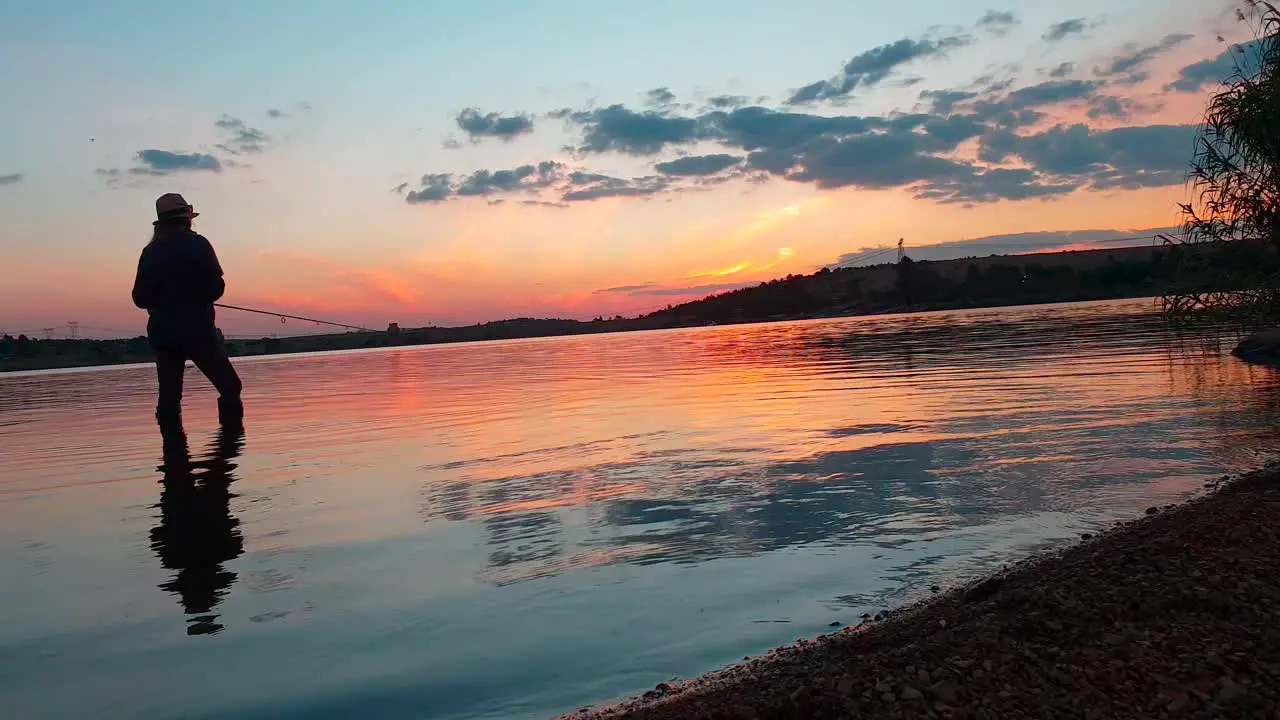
x: 169, y: 228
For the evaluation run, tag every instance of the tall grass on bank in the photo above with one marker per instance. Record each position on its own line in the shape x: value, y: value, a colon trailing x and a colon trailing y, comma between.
x: 1235, y: 179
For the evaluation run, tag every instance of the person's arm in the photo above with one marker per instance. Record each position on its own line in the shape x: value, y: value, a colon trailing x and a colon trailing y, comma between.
x: 216, y: 284
x: 144, y: 282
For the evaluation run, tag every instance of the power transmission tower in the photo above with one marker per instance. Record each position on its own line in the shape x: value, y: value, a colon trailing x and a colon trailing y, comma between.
x: 901, y: 252
x: 73, y: 326
x: 48, y: 333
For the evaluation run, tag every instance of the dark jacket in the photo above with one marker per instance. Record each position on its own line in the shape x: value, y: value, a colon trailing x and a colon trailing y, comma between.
x: 178, y: 281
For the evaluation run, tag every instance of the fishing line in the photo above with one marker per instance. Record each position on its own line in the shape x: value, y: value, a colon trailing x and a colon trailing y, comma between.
x: 282, y: 317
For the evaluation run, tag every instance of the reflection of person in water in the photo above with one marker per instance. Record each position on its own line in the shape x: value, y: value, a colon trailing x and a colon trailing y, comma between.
x: 197, y: 532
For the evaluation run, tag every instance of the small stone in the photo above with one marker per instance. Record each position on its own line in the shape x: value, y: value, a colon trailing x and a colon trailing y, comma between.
x: 835, y: 623
x: 882, y: 687
x: 945, y: 692
x: 983, y: 590
x: 1153, y: 510
x: 1230, y: 691
x: 910, y: 693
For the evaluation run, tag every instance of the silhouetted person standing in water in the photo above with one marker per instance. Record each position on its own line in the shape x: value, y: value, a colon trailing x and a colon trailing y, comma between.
x: 178, y: 281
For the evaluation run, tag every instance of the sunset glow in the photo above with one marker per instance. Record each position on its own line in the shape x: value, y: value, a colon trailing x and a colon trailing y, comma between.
x: 334, y: 180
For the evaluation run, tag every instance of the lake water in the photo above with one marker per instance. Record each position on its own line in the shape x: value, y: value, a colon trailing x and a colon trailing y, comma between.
x: 517, y: 529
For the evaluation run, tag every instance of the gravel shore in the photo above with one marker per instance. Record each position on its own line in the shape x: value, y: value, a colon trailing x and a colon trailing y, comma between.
x: 1173, y: 615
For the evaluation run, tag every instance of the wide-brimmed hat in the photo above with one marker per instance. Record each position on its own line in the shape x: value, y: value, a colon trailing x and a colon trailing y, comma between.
x: 171, y: 206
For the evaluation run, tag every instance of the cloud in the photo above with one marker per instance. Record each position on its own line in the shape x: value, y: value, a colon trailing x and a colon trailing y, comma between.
x: 627, y: 288
x: 660, y: 97
x: 1127, y: 68
x: 12, y: 178
x: 952, y: 130
x: 997, y: 22
x: 727, y: 102
x: 1062, y: 71
x: 479, y: 125
x: 1060, y: 31
x: 764, y: 129
x: 975, y: 186
x: 698, y: 164
x: 276, y: 114
x: 903, y: 150
x: 1128, y: 157
x: 1019, y: 108
x: 549, y: 175
x: 618, y: 129
x: 944, y: 101
x: 166, y: 162
x: 1022, y: 107
x: 592, y: 186
x: 521, y: 179
x: 436, y: 188
x: 159, y: 163
x: 873, y: 162
x: 873, y: 66
x: 1110, y: 106
x: 243, y: 139
x: 1017, y: 157
x: 1244, y: 58
x: 1050, y: 93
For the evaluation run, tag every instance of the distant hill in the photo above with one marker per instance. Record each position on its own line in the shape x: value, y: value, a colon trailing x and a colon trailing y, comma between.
x: 892, y: 287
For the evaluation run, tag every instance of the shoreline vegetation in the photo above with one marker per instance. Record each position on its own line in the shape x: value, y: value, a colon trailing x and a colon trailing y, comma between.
x: 906, y: 286
x: 1175, y: 614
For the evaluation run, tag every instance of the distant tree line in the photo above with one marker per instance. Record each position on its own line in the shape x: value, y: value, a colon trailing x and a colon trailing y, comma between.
x: 912, y: 286
x: 921, y: 285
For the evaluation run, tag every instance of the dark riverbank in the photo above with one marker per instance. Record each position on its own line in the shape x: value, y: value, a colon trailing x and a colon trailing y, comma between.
x: 1174, y: 615
x: 908, y: 286
x: 21, y: 354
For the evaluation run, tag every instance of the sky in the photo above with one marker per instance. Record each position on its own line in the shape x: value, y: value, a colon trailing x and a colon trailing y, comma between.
x: 446, y: 163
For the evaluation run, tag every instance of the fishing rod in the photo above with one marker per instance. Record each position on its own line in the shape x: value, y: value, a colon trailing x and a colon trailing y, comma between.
x: 282, y: 316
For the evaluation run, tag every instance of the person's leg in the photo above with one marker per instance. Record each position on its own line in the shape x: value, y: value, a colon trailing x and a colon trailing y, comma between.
x: 170, y: 364
x: 211, y: 357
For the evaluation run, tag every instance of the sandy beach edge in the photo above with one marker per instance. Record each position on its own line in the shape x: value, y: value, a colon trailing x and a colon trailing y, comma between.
x: 1173, y: 614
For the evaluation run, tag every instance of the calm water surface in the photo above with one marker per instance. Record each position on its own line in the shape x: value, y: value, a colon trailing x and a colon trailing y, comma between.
x: 517, y: 529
